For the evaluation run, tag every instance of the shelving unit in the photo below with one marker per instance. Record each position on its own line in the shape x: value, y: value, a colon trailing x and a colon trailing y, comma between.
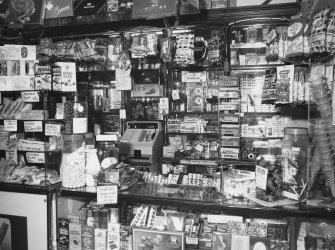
x: 145, y: 193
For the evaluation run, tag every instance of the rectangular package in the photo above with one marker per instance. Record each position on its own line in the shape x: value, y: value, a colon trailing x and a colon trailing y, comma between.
x: 100, y: 239
x: 75, y: 235
x: 68, y: 76
x: 87, y: 237
x: 63, y: 232
x: 221, y: 241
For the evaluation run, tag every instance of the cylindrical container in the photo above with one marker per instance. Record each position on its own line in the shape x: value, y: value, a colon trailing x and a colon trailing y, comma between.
x: 75, y: 116
x: 72, y: 169
x: 92, y: 168
x: 107, y: 149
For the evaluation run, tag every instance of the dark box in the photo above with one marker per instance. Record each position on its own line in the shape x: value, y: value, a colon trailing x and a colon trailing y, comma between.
x: 89, y: 7
x: 154, y: 8
x: 58, y: 8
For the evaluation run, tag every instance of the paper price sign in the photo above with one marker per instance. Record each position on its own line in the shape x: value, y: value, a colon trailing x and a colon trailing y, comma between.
x: 30, y: 96
x: 10, y: 125
x: 107, y: 194
x: 33, y: 126
x: 35, y: 157
x: 52, y: 129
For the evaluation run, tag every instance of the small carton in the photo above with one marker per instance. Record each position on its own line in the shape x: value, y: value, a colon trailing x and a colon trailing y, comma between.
x: 63, y: 232
x: 221, y: 241
x: 58, y: 8
x: 259, y: 243
x: 68, y: 76
x: 87, y: 237
x: 100, y: 239
x: 42, y: 77
x: 75, y: 235
x: 56, y: 78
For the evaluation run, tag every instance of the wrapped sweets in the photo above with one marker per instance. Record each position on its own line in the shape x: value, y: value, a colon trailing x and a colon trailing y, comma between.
x: 322, y: 97
x: 326, y: 156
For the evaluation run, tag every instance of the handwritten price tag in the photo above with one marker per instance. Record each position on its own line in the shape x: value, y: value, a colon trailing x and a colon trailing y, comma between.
x: 33, y: 126
x: 107, y: 194
x: 52, y: 129
x: 30, y: 96
x: 10, y: 125
x: 11, y: 155
x: 35, y: 157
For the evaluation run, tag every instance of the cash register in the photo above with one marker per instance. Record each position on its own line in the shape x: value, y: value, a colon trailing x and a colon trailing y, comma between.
x: 142, y: 144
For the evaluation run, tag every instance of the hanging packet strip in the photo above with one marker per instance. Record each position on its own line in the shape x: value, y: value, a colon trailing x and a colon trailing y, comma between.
x: 295, y: 38
x: 319, y: 29
x: 330, y: 39
x: 285, y: 78
x: 272, y: 49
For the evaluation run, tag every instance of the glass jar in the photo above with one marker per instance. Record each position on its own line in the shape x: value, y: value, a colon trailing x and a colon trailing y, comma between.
x: 72, y: 169
x: 108, y: 153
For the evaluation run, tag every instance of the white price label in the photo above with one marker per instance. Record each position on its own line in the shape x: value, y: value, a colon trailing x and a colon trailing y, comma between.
x: 52, y: 129
x: 33, y: 126
x: 11, y: 155
x: 123, y: 114
x: 261, y: 177
x: 30, y: 96
x: 33, y: 157
x: 10, y: 125
x: 107, y: 194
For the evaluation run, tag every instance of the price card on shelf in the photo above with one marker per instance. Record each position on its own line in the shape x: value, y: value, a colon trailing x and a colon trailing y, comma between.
x: 35, y: 157
x: 11, y: 155
x: 33, y: 126
x: 107, y: 194
x: 52, y: 129
x: 123, y: 114
x: 10, y: 125
x: 30, y: 96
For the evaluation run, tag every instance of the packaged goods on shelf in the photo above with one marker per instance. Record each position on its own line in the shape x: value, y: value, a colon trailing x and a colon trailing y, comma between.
x: 31, y: 145
x: 238, y: 182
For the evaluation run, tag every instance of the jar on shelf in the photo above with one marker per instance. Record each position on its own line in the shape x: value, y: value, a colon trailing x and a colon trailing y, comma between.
x: 108, y: 153
x: 75, y: 116
x: 72, y: 169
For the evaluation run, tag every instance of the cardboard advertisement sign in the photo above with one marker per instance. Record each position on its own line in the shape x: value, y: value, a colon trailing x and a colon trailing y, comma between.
x: 22, y: 12
x: 154, y: 8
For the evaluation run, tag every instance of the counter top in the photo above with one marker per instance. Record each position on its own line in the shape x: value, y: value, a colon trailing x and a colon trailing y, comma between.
x: 201, y: 198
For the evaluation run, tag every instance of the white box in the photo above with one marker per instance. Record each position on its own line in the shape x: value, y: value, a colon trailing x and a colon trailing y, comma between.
x: 68, y: 76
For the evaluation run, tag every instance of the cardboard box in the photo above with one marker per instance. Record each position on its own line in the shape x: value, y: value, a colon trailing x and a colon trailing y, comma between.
x: 68, y: 76
x: 154, y: 8
x: 63, y: 232
x: 87, y: 237
x: 89, y: 7
x: 75, y: 235
x: 221, y: 241
x: 42, y: 77
x: 147, y: 90
x: 58, y: 8
x: 100, y: 239
x: 239, y: 242
x: 259, y: 243
x: 162, y: 240
x: 20, y: 52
